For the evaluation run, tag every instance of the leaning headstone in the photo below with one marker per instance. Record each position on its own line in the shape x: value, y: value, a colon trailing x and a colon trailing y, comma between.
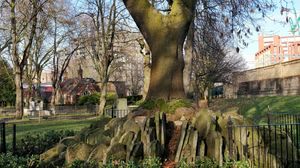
x: 181, y: 141
x: 137, y: 152
x: 127, y: 138
x: 163, y: 131
x: 214, y: 151
x: 80, y: 151
x: 97, y: 153
x: 116, y: 151
x: 157, y: 126
x: 187, y: 137
x: 155, y: 149
x: 201, y: 149
x: 194, y: 143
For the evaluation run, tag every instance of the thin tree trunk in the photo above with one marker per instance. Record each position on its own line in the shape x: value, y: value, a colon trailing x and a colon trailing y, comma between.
x: 147, y: 74
x: 19, y: 93
x: 102, y: 98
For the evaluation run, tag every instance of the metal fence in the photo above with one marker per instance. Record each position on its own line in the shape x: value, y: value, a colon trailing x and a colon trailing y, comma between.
x: 270, y: 145
x: 283, y: 117
x: 74, y: 109
x: 66, y: 112
x: 115, y: 113
x: 3, y: 142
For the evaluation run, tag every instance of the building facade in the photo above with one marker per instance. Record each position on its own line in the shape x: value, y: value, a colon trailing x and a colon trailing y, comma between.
x: 277, y: 79
x: 277, y: 49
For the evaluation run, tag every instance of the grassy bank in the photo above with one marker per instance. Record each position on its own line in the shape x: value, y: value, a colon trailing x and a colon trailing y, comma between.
x: 33, y: 127
x: 257, y: 107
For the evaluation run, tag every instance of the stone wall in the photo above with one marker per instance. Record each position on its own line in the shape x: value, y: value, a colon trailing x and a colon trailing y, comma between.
x: 278, y: 79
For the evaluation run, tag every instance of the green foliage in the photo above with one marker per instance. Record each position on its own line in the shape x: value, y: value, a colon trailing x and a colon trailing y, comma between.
x: 11, y: 161
x: 165, y: 106
x: 155, y: 162
x: 134, y: 99
x: 83, y: 164
x: 111, y: 97
x: 151, y: 162
x: 184, y: 164
x: 7, y: 89
x: 206, y: 162
x: 39, y: 143
x: 91, y: 99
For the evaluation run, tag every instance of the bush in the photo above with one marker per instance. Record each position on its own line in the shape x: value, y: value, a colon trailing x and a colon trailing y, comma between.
x: 151, y: 162
x: 165, y: 106
x: 91, y: 99
x: 134, y: 99
x: 83, y: 164
x: 111, y: 97
x: 11, y: 161
x: 39, y: 143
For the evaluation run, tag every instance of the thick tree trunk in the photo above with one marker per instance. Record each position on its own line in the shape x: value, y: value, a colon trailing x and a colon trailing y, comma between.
x: 166, y: 79
x: 188, y: 48
x: 19, y: 93
x: 165, y: 35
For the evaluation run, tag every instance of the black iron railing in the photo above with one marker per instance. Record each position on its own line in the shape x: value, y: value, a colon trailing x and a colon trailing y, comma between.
x: 270, y: 145
x: 115, y: 113
x: 3, y: 138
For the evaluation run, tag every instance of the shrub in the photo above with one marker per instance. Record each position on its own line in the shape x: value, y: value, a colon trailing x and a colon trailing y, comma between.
x: 111, y: 97
x: 83, y: 164
x: 152, y: 162
x: 134, y: 99
x: 91, y: 99
x: 206, y: 162
x: 11, y: 161
x: 39, y: 143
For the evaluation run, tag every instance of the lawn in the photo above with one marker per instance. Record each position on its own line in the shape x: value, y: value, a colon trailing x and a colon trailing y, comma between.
x: 256, y: 108
x: 34, y: 127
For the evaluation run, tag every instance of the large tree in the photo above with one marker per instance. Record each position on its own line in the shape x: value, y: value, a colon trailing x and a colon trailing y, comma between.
x: 165, y: 33
x: 23, y: 24
x: 165, y: 30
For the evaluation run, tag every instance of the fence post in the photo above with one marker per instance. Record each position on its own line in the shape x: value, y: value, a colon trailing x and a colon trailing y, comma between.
x: 14, y: 147
x: 230, y: 137
x: 3, y: 143
x: 269, y: 116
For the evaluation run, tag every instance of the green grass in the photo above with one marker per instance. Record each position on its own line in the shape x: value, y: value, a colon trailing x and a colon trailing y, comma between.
x: 257, y: 107
x: 33, y: 127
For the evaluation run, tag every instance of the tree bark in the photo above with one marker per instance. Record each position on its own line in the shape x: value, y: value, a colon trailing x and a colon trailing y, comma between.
x: 188, y: 48
x: 102, y: 99
x: 165, y: 35
x: 19, y: 93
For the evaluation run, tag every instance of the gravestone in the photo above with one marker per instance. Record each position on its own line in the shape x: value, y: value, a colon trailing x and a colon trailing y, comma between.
x: 32, y: 107
x: 121, y: 107
x: 121, y: 104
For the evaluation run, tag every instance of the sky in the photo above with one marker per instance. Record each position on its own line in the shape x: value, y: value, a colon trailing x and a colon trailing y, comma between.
x: 268, y: 27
